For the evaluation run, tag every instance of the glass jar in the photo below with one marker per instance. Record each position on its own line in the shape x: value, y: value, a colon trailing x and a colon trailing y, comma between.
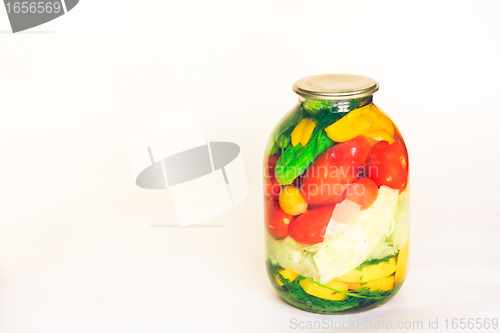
x: 336, y: 199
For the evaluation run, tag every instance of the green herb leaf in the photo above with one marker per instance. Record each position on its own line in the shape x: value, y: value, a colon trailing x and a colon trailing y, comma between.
x: 376, y: 261
x: 315, y: 106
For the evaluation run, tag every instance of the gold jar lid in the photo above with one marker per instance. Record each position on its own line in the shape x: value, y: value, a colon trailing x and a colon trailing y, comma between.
x: 335, y: 86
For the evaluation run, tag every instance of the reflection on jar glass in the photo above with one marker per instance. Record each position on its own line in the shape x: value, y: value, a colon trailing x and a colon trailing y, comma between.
x: 336, y: 199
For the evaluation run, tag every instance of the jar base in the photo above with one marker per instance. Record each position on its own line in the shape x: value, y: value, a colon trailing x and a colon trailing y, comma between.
x: 354, y: 302
x: 348, y: 309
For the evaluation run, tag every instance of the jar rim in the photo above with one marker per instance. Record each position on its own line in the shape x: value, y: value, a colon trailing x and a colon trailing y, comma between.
x: 335, y: 86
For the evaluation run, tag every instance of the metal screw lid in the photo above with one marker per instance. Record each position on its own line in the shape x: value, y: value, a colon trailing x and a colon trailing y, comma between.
x: 335, y: 86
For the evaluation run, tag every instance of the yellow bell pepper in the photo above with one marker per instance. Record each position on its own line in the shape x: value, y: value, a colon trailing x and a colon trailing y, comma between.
x: 383, y: 121
x: 302, y: 132
x: 316, y: 290
x: 287, y: 274
x: 371, y: 272
x: 379, y: 135
x: 360, y: 121
x: 351, y: 125
x: 402, y: 265
x: 384, y: 284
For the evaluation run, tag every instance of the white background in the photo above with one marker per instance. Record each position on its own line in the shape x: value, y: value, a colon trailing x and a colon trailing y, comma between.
x: 79, y: 250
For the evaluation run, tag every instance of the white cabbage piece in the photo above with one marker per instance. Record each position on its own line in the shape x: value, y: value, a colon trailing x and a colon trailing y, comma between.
x: 402, y: 229
x: 344, y: 214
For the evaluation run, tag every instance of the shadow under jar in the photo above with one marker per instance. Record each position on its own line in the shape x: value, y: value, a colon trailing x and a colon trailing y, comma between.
x: 336, y: 199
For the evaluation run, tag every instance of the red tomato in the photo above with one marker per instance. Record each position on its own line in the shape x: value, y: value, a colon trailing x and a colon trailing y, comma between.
x: 296, y: 182
x: 320, y: 193
x: 310, y: 227
x: 363, y: 191
x: 272, y: 161
x: 352, y: 152
x: 388, y: 165
x: 330, y: 174
x: 277, y: 221
x: 337, y: 200
x: 271, y: 187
